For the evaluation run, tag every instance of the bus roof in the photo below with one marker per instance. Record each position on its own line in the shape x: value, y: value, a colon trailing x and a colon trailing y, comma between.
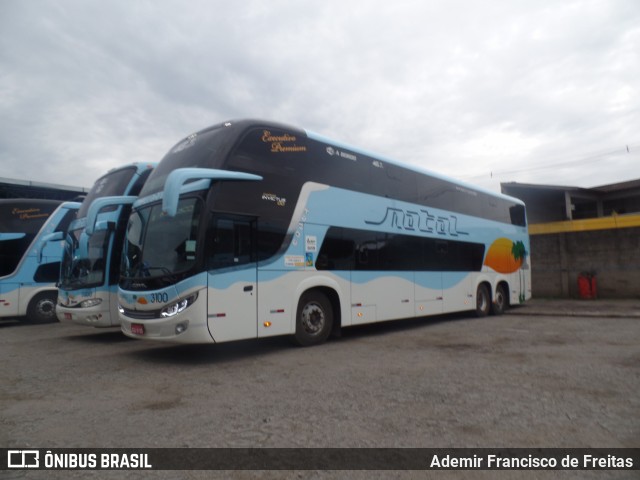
x: 230, y: 131
x: 246, y: 124
x: 415, y: 168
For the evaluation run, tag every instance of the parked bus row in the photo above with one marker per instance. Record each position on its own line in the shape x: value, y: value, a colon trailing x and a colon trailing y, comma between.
x: 251, y: 229
x: 48, y: 257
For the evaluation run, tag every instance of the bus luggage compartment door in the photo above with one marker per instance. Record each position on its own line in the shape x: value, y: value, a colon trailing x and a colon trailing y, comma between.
x: 9, y: 299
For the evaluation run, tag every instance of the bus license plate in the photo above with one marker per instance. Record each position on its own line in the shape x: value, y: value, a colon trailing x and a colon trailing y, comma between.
x: 137, y: 329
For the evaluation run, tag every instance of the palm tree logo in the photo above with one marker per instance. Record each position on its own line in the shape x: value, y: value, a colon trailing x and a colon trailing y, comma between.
x: 519, y: 253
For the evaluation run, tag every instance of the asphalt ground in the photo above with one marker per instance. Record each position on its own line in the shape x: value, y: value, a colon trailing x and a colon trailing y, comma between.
x: 549, y: 374
x: 606, y: 308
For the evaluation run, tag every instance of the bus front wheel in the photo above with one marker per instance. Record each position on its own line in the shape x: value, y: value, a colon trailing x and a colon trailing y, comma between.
x: 314, y: 319
x: 42, y: 308
x: 483, y: 301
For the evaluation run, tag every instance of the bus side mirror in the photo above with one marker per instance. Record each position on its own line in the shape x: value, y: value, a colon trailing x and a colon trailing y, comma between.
x: 51, y: 237
x: 104, y: 225
x: 100, y: 203
x: 176, y: 180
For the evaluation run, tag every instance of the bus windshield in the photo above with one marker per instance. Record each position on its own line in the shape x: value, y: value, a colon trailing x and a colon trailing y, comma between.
x: 112, y: 184
x: 158, y: 246
x: 88, y: 271
x: 202, y: 150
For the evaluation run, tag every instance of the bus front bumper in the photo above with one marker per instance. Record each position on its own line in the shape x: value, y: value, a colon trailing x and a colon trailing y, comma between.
x: 97, y: 316
x: 188, y: 326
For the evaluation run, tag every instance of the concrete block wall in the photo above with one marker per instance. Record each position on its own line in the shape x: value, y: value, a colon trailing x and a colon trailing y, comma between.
x: 613, y: 255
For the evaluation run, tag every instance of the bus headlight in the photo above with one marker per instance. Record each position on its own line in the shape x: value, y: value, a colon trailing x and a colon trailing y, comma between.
x: 92, y: 302
x: 179, y: 306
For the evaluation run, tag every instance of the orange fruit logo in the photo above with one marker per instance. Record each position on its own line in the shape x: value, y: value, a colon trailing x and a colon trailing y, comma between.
x: 505, y: 256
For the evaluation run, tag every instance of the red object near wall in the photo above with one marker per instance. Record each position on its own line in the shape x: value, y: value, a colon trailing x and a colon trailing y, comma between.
x: 587, y: 286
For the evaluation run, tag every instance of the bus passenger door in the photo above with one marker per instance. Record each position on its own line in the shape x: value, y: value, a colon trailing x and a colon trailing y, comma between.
x: 232, y: 278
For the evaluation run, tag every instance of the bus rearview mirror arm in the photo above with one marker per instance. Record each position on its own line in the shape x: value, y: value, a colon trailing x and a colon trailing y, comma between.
x: 177, y: 179
x: 100, y: 203
x: 51, y: 237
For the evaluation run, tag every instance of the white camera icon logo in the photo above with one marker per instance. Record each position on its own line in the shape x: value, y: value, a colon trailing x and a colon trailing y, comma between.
x: 23, y: 459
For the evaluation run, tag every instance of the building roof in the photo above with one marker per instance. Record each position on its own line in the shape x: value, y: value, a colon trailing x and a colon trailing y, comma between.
x: 617, y: 187
x: 548, y: 203
x: 14, y: 188
x: 612, y: 187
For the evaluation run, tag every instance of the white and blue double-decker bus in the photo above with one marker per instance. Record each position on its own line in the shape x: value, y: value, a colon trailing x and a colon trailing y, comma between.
x: 90, y: 271
x: 251, y: 229
x: 31, y: 233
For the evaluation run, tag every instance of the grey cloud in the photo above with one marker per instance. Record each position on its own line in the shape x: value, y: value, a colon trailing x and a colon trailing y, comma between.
x: 462, y: 87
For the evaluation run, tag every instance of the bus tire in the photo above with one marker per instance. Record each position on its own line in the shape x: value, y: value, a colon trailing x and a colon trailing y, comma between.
x: 42, y: 308
x: 314, y: 319
x: 483, y: 301
x: 501, y: 301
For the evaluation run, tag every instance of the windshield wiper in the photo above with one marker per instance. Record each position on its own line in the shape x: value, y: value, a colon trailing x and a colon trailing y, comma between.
x: 74, y: 283
x: 164, y: 270
x: 143, y: 271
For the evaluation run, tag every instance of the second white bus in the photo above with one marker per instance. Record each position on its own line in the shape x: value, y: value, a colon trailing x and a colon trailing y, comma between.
x: 87, y: 293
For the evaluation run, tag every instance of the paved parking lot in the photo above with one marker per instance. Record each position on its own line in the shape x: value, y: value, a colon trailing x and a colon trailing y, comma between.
x: 512, y: 381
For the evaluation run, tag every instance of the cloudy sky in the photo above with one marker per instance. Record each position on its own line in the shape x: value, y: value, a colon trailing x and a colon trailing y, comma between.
x: 544, y: 91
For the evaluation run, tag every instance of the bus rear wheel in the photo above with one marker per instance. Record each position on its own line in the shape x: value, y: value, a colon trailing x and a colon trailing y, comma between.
x: 42, y: 308
x: 314, y: 319
x: 483, y: 301
x: 501, y: 301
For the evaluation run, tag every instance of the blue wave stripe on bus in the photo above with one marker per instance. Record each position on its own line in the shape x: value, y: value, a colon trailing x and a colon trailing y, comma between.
x: 12, y: 236
x: 344, y: 208
x: 432, y: 280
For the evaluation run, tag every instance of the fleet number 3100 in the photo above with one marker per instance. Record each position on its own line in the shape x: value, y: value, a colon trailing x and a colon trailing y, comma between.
x: 159, y: 297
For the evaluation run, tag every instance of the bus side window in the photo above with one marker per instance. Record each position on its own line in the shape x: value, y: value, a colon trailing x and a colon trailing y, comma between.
x: 11, y: 252
x: 337, y: 251
x: 47, y: 273
x: 63, y: 226
x: 518, y: 215
x: 367, y: 247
